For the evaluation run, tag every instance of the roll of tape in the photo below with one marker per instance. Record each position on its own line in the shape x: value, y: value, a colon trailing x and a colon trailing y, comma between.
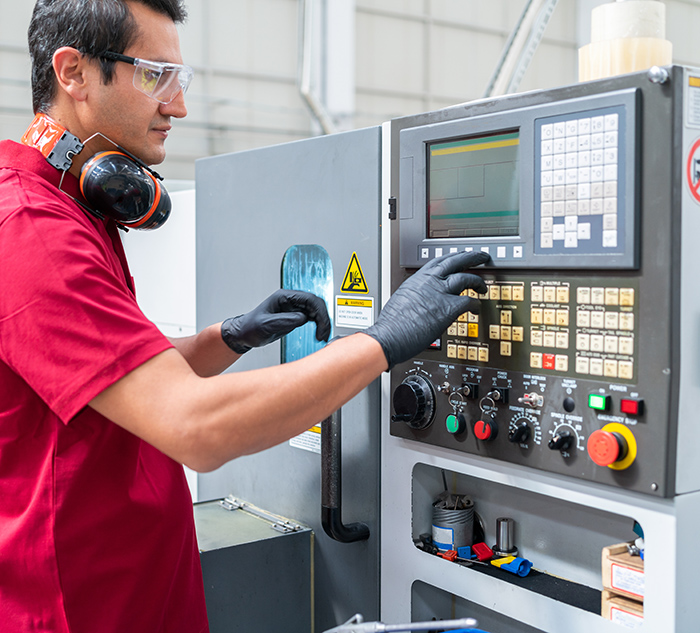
x: 632, y: 18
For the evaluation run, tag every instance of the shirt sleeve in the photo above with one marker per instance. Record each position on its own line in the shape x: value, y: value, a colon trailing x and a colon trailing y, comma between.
x: 69, y: 325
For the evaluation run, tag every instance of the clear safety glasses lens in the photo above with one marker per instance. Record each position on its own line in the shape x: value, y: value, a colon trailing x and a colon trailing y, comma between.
x: 162, y: 82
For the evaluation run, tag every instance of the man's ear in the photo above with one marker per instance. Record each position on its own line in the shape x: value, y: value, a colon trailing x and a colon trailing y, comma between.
x: 72, y: 72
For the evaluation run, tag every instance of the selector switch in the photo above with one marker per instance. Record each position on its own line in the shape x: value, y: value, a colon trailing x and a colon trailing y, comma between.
x: 519, y: 434
x: 414, y: 402
x: 486, y: 430
x: 562, y: 441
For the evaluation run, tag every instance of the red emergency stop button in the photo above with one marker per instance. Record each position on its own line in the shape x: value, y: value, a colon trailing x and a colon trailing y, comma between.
x: 606, y: 448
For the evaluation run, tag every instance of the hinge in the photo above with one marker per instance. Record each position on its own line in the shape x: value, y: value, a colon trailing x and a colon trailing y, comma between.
x: 276, y: 522
x: 392, y: 208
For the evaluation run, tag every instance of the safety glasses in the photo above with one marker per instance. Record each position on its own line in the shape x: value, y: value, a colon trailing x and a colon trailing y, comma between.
x: 159, y: 80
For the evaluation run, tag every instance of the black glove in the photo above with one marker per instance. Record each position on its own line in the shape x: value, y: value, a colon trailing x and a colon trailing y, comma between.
x: 424, y: 305
x: 282, y: 312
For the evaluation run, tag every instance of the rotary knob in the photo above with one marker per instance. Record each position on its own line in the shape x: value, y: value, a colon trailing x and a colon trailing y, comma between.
x: 414, y: 402
x: 562, y: 441
x: 519, y: 434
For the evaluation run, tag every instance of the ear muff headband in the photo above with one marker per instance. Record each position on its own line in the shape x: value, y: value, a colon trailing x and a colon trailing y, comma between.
x: 117, y: 186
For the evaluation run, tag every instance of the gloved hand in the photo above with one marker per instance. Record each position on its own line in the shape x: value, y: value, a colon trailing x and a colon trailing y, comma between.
x: 282, y: 312
x: 424, y: 305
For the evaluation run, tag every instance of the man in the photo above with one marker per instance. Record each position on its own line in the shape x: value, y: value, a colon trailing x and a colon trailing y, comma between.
x: 98, y: 410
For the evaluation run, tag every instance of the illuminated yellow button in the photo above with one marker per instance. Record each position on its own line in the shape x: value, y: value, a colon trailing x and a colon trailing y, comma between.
x: 536, y: 338
x: 506, y: 317
x: 473, y: 330
x: 452, y: 330
x: 596, y: 367
x: 536, y: 360
x: 598, y: 319
x: 549, y: 339
x: 494, y: 292
x: 536, y: 316
x: 562, y: 340
x: 583, y: 318
x: 518, y: 334
x: 451, y: 350
x: 473, y: 353
x: 610, y: 368
x: 561, y: 362
x: 626, y: 296
x: 550, y: 317
x: 626, y: 321
x: 484, y: 354
x: 536, y: 294
x: 563, y: 318
x: 506, y: 293
x: 583, y: 295
x: 505, y: 348
x: 494, y: 332
x: 462, y: 352
x: 583, y: 342
x: 611, y: 320
x: 626, y: 345
x: 625, y: 370
x: 597, y: 343
x: 611, y: 344
x: 581, y: 365
x: 563, y: 294
x: 518, y: 293
x: 506, y: 333
x: 462, y: 329
x: 598, y: 296
x: 612, y: 296
x: 550, y: 294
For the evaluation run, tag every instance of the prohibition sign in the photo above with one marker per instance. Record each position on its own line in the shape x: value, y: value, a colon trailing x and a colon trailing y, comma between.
x: 693, y: 171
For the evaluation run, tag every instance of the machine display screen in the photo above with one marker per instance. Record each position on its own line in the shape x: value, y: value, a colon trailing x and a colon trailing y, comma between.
x: 473, y: 186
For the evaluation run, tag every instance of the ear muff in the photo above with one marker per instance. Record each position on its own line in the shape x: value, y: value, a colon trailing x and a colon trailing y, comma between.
x: 119, y: 188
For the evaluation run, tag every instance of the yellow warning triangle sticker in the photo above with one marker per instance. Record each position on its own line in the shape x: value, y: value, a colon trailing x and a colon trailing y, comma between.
x: 354, y: 280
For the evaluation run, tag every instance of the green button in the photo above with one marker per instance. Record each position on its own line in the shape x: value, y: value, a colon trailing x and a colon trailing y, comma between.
x: 598, y: 402
x: 452, y: 423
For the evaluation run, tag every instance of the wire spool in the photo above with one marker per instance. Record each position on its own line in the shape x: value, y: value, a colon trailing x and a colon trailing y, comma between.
x: 626, y: 36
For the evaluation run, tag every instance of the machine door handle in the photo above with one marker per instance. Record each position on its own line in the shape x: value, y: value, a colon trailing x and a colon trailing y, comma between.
x: 331, y: 486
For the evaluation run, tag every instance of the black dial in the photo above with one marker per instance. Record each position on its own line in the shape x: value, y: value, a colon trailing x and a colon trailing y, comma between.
x: 561, y: 441
x: 520, y: 433
x: 414, y: 402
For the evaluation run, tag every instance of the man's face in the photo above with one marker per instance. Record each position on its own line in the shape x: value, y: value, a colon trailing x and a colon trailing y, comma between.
x: 126, y: 115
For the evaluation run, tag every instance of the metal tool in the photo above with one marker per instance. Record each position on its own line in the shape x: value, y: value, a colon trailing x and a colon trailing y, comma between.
x: 356, y: 624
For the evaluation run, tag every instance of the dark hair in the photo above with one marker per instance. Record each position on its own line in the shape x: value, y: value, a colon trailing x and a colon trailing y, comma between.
x: 90, y: 26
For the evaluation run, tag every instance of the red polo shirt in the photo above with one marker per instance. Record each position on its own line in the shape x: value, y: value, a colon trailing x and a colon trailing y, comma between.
x: 96, y: 526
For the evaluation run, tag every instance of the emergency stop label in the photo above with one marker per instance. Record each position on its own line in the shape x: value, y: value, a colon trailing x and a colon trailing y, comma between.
x: 354, y: 312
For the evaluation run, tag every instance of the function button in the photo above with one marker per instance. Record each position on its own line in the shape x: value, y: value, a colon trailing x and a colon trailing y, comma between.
x: 506, y: 333
x: 598, y: 319
x: 518, y: 293
x: 500, y: 252
x: 561, y: 362
x: 611, y: 344
x: 547, y: 131
x: 583, y: 318
x: 611, y: 320
x: 452, y: 330
x: 597, y: 124
x: 536, y: 338
x: 584, y: 231
x: 610, y: 239
x: 559, y: 146
x: 536, y: 360
x: 630, y: 406
x: 584, y: 126
x: 549, y: 339
x: 612, y: 296
x: 550, y: 317
x: 569, y: 404
x: 626, y: 321
x: 484, y: 354
x: 462, y: 330
x: 572, y: 127
x: 472, y: 318
x: 596, y: 206
x: 598, y: 296
x: 536, y: 316
x: 610, y: 139
x: 597, y: 343
x: 584, y: 207
x: 610, y: 368
x: 611, y: 121
x: 462, y: 352
x: 506, y: 293
x: 625, y: 370
x: 546, y: 240
x: 472, y: 353
x: 547, y: 147
x: 626, y: 296
x: 571, y: 159
x: 562, y: 339
x: 626, y: 345
x: 438, y: 252
x: 563, y: 294
x: 473, y: 330
x: 548, y: 361
x: 559, y: 129
x: 582, y: 365
x: 506, y: 317
x: 610, y: 189
x: 506, y: 348
x: 494, y: 332
x: 518, y: 334
x: 451, y: 350
x: 517, y: 252
x: 583, y: 342
x: 550, y: 294
x: 583, y: 295
x: 598, y: 401
x: 557, y: 234
x: 484, y: 295
x: 536, y: 294
x: 563, y: 318
x: 462, y: 318
x: 571, y: 240
x: 596, y: 367
x: 472, y: 293
x: 494, y: 292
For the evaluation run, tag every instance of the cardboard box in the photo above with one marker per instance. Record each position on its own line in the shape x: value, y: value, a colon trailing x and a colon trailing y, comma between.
x: 623, y: 574
x: 623, y: 611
